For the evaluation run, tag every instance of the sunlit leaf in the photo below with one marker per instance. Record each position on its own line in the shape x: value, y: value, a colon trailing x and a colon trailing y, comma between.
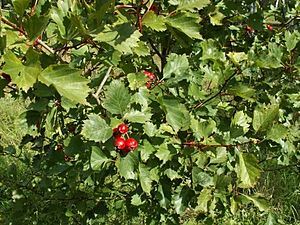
x: 248, y: 170
x: 96, y: 129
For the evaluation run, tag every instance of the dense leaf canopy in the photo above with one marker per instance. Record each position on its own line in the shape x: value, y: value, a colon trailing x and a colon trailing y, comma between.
x: 224, y: 102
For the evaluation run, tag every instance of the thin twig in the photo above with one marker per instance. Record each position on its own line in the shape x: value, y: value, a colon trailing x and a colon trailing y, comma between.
x: 204, y: 146
x: 199, y: 105
x: 96, y: 95
x: 14, y: 26
x: 49, y: 49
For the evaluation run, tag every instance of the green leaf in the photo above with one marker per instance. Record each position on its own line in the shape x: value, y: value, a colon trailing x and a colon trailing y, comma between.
x: 203, y: 199
x: 291, y: 39
x: 216, y: 17
x: 3, y: 84
x: 98, y: 159
x: 146, y: 150
x: 211, y: 51
x: 258, y: 201
x: 154, y: 21
x: 181, y: 199
x: 164, y: 195
x: 102, y: 6
x: 51, y: 123
x: 271, y: 220
x: 201, y: 178
x: 149, y: 129
x: 237, y: 57
x: 137, y: 116
x: 35, y: 25
x: 220, y: 156
x: 122, y: 37
x: 202, y: 128
x: 172, y: 174
x: 248, y: 170
x: 96, y: 129
x: 23, y: 75
x: 127, y: 166
x: 142, y: 49
x: 264, y: 116
x: 176, y: 114
x: 144, y: 177
x: 241, y: 119
x: 277, y: 133
x: 136, y: 200
x: 177, y: 65
x: 20, y: 6
x: 67, y: 81
x: 190, y: 4
x: 242, y: 91
x: 185, y: 23
x: 163, y: 153
x: 117, y: 98
x: 73, y: 145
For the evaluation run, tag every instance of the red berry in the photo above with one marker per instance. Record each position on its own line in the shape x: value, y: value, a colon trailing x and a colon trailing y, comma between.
x: 269, y: 27
x: 120, y: 143
x: 150, y: 75
x: 131, y: 144
x: 154, y: 9
x: 149, y: 84
x: 249, y: 29
x: 123, y: 128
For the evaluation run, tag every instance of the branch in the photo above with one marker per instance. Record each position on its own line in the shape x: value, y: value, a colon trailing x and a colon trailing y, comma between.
x: 14, y: 26
x: 96, y: 95
x: 199, y: 105
x: 49, y: 49
x: 204, y: 146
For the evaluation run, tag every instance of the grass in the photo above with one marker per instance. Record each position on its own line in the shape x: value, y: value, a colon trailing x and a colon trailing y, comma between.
x: 10, y: 133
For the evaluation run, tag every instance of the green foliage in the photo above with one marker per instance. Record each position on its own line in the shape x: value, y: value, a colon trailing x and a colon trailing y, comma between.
x: 223, y: 104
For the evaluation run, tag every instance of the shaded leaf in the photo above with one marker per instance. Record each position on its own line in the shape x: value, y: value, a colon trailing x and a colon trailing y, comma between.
x: 20, y: 6
x: 144, y: 177
x: 202, y: 128
x: 264, y: 116
x: 258, y: 201
x: 98, y: 159
x: 35, y: 25
x: 176, y: 114
x: 127, y: 166
x: 122, y: 37
x: 67, y: 81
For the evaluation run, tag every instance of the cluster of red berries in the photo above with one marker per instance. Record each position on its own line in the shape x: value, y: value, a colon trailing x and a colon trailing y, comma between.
x: 121, y: 143
x: 152, y: 78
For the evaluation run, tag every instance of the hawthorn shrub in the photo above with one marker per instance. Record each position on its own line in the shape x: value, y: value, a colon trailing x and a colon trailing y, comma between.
x: 208, y: 91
